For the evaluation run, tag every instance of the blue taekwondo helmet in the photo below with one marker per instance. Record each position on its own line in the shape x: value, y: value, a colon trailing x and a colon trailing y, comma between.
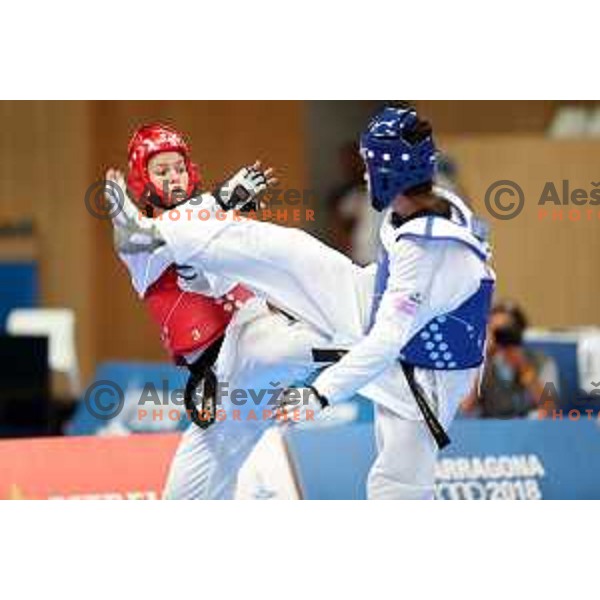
x: 399, y: 153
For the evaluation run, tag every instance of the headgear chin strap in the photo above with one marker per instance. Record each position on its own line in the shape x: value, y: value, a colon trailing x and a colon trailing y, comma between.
x: 145, y: 143
x: 399, y: 154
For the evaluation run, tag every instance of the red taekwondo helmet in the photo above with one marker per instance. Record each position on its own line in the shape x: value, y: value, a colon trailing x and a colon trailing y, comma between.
x: 145, y: 143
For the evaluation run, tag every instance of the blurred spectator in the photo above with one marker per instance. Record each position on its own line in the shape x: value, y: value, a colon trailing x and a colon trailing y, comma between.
x: 353, y: 223
x: 515, y: 378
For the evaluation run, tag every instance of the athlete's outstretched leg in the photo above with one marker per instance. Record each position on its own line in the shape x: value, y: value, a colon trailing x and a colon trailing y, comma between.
x: 289, y: 266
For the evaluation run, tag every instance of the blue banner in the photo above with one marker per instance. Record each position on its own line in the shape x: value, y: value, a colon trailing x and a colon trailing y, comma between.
x: 487, y: 460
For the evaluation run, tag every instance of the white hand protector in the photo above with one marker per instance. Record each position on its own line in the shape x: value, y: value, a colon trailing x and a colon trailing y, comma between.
x: 133, y: 233
x: 241, y: 189
x: 301, y: 405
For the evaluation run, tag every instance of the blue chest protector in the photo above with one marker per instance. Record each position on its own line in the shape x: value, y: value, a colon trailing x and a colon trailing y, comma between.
x: 453, y: 340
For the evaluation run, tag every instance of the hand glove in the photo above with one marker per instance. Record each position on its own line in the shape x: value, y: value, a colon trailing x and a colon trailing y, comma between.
x: 242, y: 189
x: 133, y: 233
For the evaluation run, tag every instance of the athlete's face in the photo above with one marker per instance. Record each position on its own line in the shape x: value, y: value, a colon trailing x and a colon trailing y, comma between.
x: 167, y: 172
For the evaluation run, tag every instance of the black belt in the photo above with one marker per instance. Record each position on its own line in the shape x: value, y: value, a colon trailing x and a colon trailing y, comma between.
x: 332, y: 355
x: 201, y: 371
x: 435, y: 427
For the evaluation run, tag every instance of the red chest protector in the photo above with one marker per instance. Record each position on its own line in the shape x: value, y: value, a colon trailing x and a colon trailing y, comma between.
x: 188, y: 321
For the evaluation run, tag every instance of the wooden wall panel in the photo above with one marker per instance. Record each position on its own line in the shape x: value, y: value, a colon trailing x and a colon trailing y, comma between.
x: 549, y: 266
x: 488, y: 116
